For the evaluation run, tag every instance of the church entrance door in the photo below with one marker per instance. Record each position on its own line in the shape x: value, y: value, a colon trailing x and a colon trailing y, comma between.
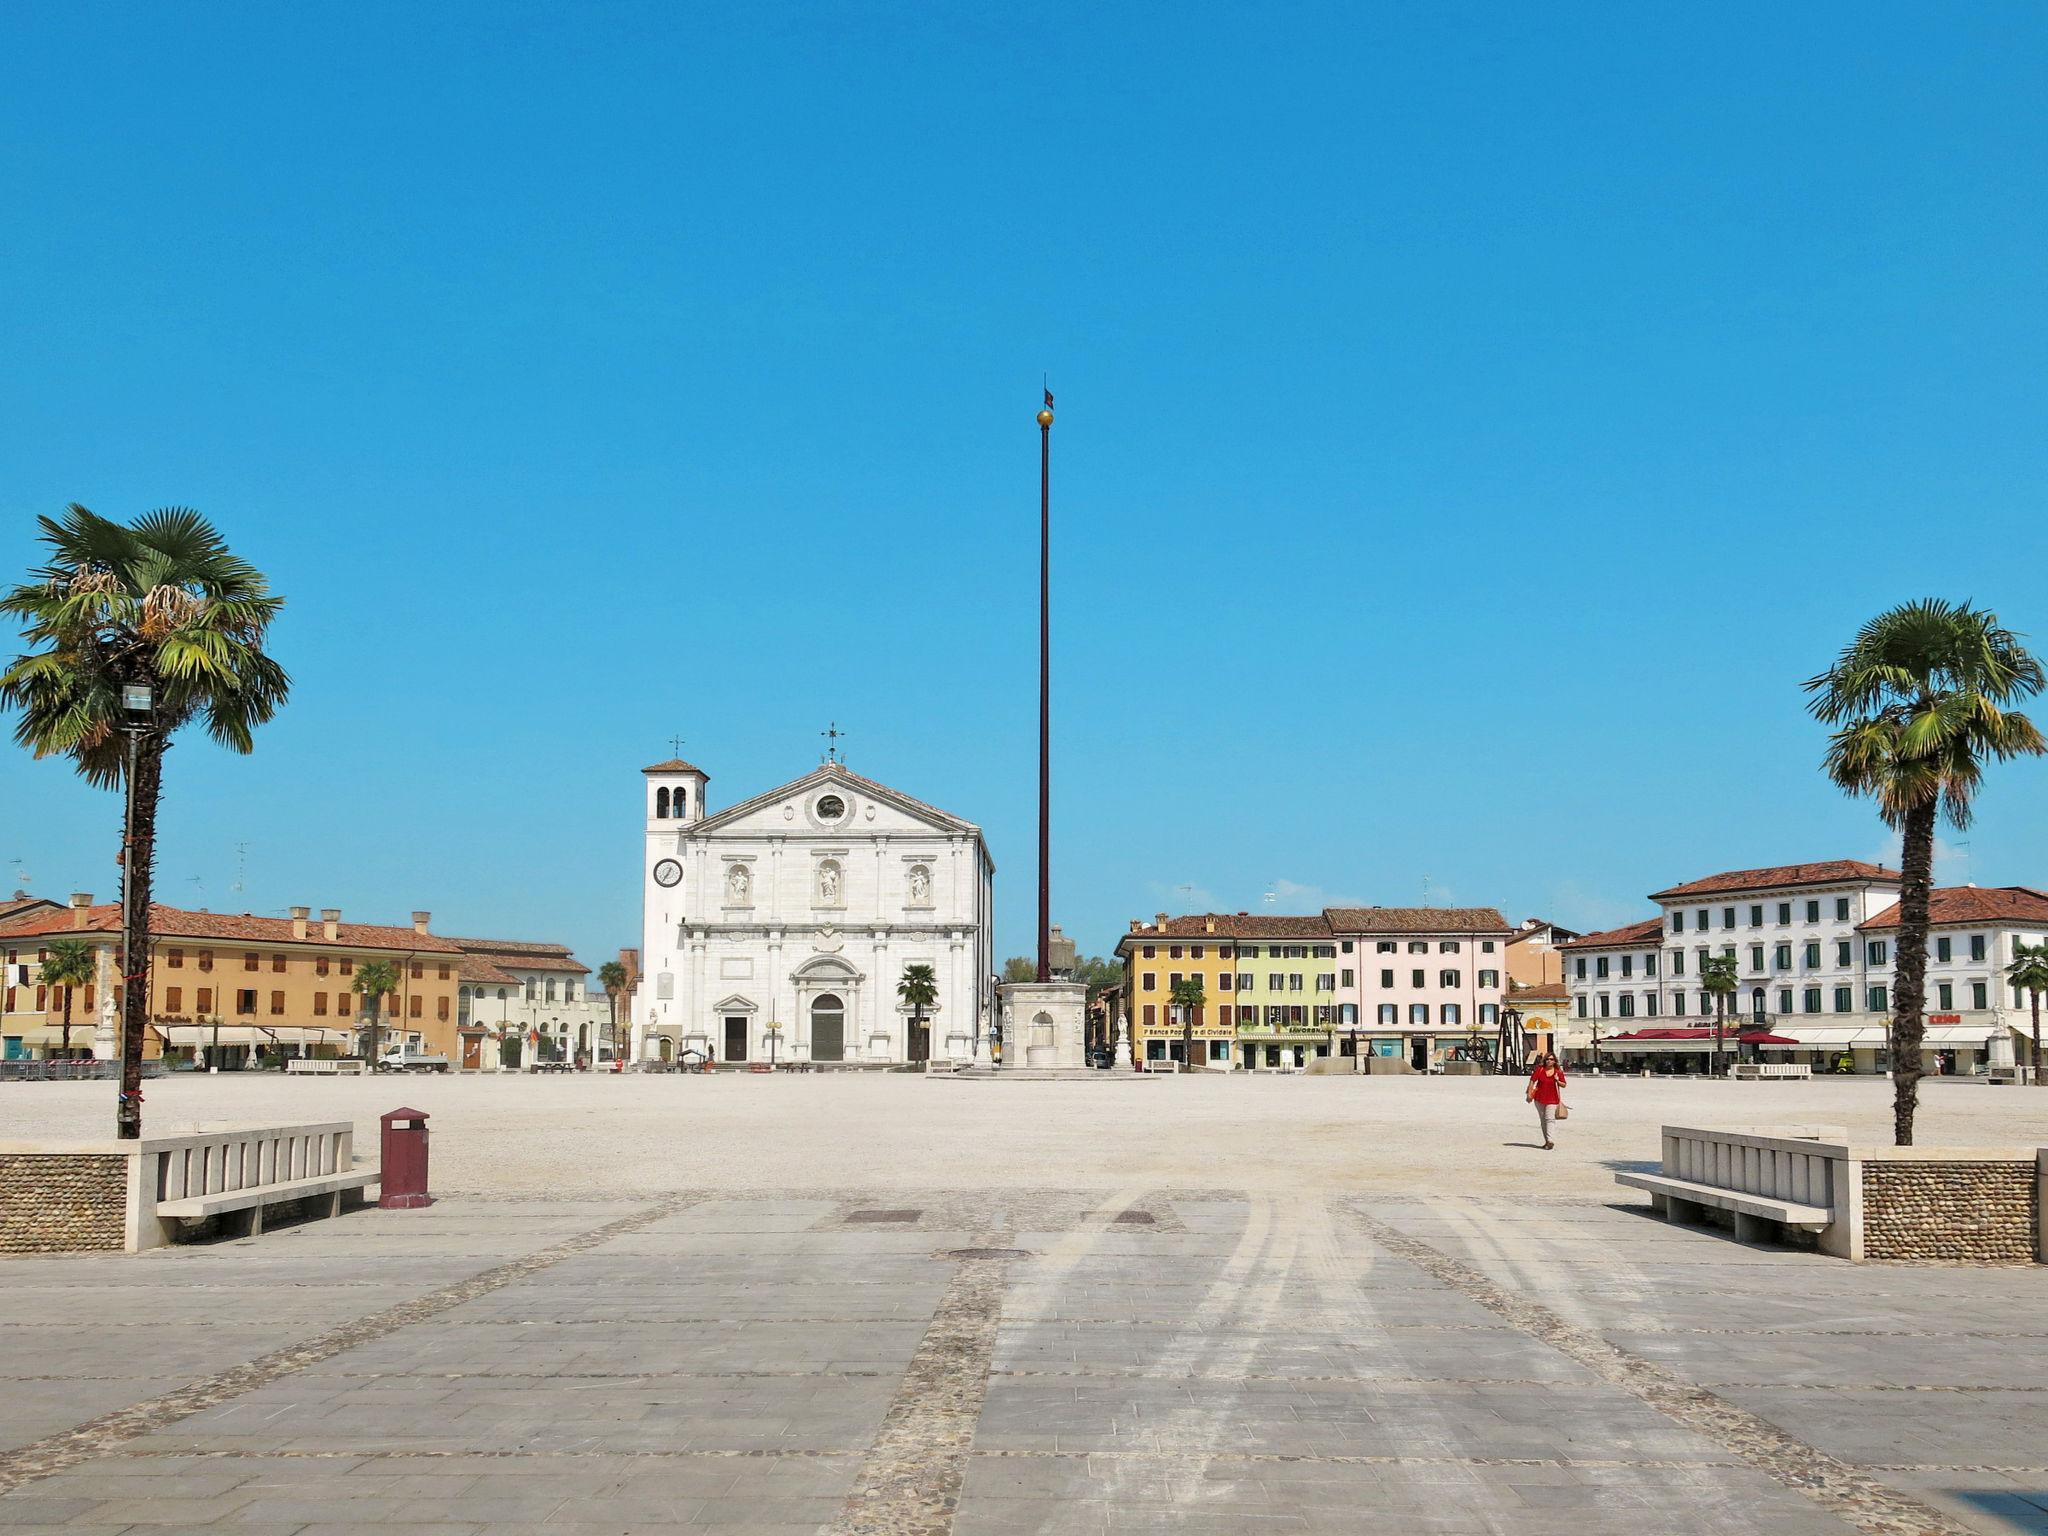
x: 736, y: 1039
x: 920, y: 1041
x: 828, y: 1028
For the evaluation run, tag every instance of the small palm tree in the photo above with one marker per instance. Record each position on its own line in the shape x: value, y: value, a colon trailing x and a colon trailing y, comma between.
x: 918, y: 991
x: 70, y: 963
x: 1919, y: 700
x: 163, y: 604
x: 372, y: 982
x: 612, y: 977
x: 2028, y: 973
x: 1718, y: 977
x: 1188, y: 997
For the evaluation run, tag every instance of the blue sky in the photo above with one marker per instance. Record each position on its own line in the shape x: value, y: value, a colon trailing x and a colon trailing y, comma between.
x: 1474, y: 423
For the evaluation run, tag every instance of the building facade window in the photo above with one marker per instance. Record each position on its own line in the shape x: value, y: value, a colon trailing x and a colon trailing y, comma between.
x: 1845, y: 999
x: 1875, y: 951
x: 1880, y: 1000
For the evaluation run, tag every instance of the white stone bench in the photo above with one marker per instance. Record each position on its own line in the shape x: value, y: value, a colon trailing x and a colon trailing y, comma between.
x: 1768, y: 1178
x: 191, y: 1178
x: 1769, y: 1071
x: 1756, y: 1216
x: 1163, y: 1064
x: 315, y: 1066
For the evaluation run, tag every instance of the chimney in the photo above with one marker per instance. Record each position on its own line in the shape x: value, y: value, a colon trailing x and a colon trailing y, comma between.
x: 1208, y: 925
x: 1160, y: 919
x: 330, y: 923
x: 1137, y: 925
x: 299, y: 916
x: 419, y: 921
x: 81, y: 908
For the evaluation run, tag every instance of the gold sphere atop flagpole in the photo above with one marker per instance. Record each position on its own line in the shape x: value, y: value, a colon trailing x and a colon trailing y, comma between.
x: 1045, y: 418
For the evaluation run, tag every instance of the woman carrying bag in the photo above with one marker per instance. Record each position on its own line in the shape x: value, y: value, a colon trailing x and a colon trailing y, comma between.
x: 1546, y: 1092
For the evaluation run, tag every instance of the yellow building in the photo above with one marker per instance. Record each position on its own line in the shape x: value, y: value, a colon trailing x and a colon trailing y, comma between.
x: 246, y: 984
x: 1164, y: 952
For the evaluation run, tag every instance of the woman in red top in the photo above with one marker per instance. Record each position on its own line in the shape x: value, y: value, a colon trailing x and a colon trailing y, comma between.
x: 1546, y: 1092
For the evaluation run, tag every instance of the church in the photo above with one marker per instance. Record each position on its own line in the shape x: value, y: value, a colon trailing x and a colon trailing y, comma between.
x: 779, y: 929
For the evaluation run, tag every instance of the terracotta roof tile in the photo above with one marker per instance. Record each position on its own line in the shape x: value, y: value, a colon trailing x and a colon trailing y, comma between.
x: 477, y: 968
x: 1540, y: 992
x: 177, y: 923
x: 1235, y: 925
x: 2015, y: 905
x: 675, y: 765
x: 1647, y: 933
x: 1828, y: 872
x: 1416, y: 920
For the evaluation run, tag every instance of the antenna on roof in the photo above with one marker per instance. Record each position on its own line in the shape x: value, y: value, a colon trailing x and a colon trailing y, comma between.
x: 1270, y: 897
x: 241, y: 866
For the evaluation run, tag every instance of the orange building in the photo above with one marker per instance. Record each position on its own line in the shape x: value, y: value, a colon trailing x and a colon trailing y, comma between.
x: 245, y: 984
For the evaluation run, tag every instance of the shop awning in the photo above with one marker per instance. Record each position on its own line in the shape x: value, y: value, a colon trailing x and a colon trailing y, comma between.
x: 252, y: 1034
x: 1872, y: 1037
x: 1689, y: 1040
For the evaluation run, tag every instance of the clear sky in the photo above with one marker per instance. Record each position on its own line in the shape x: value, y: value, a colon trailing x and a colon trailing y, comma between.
x: 1474, y: 422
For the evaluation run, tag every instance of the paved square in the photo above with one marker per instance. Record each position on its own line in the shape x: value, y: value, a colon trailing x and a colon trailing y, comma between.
x: 998, y: 1355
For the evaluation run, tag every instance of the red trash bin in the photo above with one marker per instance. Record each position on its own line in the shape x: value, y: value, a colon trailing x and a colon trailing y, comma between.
x: 402, y: 1183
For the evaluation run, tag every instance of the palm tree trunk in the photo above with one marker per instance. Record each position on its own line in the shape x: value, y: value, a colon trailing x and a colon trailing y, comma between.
x: 1909, y: 976
x: 67, y: 1030
x: 1720, y: 1014
x: 2035, y: 998
x: 137, y: 870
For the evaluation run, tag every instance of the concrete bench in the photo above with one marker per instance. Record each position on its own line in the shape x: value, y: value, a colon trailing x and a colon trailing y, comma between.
x: 1768, y: 1071
x: 1166, y: 1064
x: 1757, y: 1217
x: 185, y: 1179
x: 315, y: 1066
x: 196, y: 1208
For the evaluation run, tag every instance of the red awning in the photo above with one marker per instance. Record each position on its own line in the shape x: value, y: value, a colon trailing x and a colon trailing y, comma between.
x: 1703, y: 1037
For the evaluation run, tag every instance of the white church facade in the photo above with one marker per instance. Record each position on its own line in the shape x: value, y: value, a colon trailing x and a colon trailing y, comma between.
x: 779, y: 929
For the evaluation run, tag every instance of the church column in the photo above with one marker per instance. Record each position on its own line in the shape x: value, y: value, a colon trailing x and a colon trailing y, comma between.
x: 882, y: 978
x: 777, y: 1014
x: 884, y: 907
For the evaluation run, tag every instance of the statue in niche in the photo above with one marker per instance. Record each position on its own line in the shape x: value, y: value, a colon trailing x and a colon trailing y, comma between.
x: 920, y: 885
x: 828, y: 883
x: 738, y: 883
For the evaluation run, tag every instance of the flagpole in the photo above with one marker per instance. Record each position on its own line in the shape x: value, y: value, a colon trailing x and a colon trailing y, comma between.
x: 1045, y: 690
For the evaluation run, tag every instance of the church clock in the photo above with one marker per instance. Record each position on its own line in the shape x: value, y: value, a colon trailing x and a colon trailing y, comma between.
x: 668, y: 872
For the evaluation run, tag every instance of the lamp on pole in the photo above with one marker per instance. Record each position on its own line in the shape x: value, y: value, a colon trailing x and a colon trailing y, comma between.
x: 138, y: 705
x: 1045, y: 689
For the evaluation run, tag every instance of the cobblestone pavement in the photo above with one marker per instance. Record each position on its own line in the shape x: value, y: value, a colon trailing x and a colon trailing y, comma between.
x: 1006, y: 1362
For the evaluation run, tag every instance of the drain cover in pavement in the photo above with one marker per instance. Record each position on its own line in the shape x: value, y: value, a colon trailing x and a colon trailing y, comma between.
x: 883, y: 1215
x: 1135, y: 1218
x: 986, y: 1253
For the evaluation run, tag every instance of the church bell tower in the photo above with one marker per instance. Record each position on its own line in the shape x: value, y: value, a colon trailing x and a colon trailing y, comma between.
x: 675, y: 795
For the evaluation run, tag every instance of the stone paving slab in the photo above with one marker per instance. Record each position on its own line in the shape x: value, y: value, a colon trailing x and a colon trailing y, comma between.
x: 1262, y: 1362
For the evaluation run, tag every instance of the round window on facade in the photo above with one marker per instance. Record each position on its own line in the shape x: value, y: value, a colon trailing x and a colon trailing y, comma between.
x: 831, y: 808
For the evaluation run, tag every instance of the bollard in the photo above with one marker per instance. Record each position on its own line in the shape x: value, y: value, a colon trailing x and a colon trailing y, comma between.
x: 402, y: 1181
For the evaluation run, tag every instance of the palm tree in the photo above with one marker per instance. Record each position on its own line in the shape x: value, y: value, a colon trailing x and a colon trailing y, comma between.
x: 2028, y: 973
x: 1718, y: 976
x: 69, y: 963
x: 1919, y: 700
x: 1188, y: 997
x: 612, y: 977
x: 918, y: 990
x: 372, y: 982
x: 163, y: 604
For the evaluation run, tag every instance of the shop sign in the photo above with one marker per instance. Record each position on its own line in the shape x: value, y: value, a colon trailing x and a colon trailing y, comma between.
x: 1944, y: 1018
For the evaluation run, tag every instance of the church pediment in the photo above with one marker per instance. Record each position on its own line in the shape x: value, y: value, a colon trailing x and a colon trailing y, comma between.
x: 833, y: 801
x: 733, y: 1004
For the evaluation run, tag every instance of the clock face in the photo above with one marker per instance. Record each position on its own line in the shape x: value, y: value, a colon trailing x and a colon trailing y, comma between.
x: 668, y: 872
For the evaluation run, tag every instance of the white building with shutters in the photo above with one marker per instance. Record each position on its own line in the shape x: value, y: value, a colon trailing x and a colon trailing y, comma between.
x: 780, y: 929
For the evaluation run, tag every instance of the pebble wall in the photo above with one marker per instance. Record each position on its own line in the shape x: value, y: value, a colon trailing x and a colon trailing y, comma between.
x: 1972, y: 1211
x: 62, y: 1202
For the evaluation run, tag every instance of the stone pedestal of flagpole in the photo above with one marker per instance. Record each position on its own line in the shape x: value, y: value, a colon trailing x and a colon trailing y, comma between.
x: 1045, y: 1024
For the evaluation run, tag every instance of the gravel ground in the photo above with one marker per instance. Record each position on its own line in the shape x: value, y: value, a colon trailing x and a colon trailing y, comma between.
x: 526, y: 1136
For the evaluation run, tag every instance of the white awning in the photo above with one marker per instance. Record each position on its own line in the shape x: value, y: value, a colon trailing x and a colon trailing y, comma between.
x: 1871, y: 1037
x: 252, y: 1034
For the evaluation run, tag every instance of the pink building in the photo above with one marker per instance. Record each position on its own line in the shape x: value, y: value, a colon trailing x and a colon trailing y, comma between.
x: 1424, y: 980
